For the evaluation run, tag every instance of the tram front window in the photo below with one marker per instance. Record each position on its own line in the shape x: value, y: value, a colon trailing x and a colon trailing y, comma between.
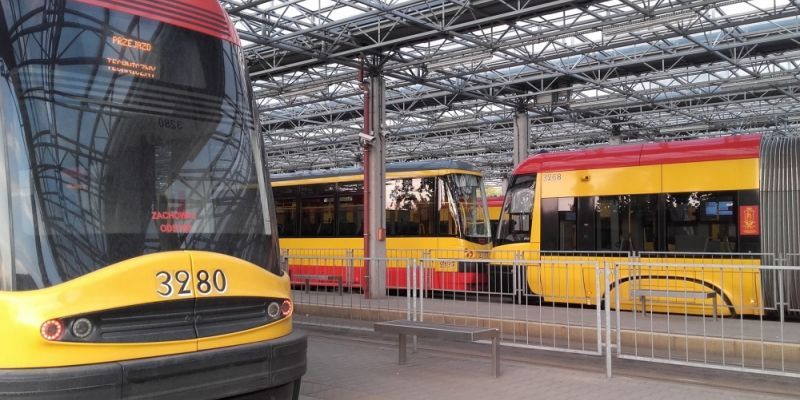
x: 470, y: 200
x: 133, y: 137
x: 515, y: 220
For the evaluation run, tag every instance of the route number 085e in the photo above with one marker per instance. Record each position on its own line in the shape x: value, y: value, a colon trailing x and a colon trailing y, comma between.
x: 180, y: 283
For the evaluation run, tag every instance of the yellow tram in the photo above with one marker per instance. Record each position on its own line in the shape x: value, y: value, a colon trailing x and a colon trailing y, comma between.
x: 138, y: 254
x: 434, y: 209
x: 655, y: 210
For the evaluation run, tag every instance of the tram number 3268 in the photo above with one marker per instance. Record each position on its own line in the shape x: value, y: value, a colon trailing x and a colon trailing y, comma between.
x: 180, y: 283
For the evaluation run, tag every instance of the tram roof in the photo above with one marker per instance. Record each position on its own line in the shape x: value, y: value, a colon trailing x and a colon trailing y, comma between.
x: 627, y: 155
x: 204, y: 16
x: 393, y: 167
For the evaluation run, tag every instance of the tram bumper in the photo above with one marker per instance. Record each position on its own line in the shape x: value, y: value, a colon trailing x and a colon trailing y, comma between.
x: 272, y: 367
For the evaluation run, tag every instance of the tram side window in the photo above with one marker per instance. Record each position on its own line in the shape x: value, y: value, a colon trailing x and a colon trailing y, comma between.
x: 627, y: 223
x: 350, y: 213
x: 701, y: 222
x: 286, y: 211
x: 567, y: 224
x: 317, y: 210
x: 409, y: 206
x: 560, y: 220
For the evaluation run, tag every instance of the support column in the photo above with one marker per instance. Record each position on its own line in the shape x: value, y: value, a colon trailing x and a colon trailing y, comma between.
x: 521, y: 136
x: 374, y: 142
x: 616, y: 132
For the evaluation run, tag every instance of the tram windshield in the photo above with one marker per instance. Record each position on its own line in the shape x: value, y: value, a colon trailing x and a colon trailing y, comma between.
x: 515, y: 219
x: 124, y: 136
x: 470, y: 203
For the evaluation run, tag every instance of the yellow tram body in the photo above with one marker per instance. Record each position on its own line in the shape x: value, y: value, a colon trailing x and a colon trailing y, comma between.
x: 445, y: 218
x: 138, y: 250
x: 564, y: 267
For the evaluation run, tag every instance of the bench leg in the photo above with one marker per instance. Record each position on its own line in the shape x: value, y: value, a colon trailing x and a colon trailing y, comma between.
x: 495, y: 357
x: 644, y: 304
x: 401, y: 356
x: 714, y: 304
x: 308, y: 285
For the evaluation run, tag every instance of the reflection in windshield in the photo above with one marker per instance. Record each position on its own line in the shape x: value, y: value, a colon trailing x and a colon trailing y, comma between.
x: 110, y: 164
x: 470, y: 206
x: 515, y: 221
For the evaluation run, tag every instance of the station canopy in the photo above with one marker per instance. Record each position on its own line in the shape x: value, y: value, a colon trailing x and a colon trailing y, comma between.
x: 457, y: 72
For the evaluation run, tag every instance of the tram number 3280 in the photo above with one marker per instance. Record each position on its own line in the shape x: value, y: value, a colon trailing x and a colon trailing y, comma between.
x: 179, y: 283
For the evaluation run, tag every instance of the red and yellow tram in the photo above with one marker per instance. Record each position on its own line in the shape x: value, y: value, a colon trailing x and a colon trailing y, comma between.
x: 434, y: 210
x: 682, y: 202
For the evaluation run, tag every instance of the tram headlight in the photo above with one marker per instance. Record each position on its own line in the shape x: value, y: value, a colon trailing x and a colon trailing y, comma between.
x: 82, y: 328
x: 274, y: 310
x: 286, y: 308
x: 52, y: 329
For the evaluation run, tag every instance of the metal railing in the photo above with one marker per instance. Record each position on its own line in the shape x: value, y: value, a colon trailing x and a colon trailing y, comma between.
x: 329, y: 304
x: 792, y: 279
x: 704, y: 315
x: 687, y: 309
x: 559, y: 320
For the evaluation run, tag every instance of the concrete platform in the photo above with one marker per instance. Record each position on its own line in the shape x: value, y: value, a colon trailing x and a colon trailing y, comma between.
x: 354, y: 365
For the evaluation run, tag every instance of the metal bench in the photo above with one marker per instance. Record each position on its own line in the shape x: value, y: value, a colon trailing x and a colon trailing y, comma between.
x: 307, y: 278
x: 439, y: 331
x: 643, y: 294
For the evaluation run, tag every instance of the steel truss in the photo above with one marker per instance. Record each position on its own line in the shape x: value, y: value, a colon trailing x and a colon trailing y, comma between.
x: 457, y: 71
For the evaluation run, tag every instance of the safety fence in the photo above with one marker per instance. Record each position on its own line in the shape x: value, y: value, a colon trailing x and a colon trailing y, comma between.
x: 567, y: 321
x: 329, y: 288
x: 710, y: 315
x: 730, y: 311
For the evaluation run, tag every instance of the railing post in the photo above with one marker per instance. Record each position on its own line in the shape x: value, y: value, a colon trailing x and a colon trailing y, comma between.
x: 422, y: 281
x: 520, y: 282
x: 599, y: 309
x: 782, y: 314
x: 414, y: 291
x: 350, y: 265
x: 426, y: 255
x: 606, y: 305
x: 514, y: 279
x: 409, y: 264
x: 417, y: 313
x: 617, y: 294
